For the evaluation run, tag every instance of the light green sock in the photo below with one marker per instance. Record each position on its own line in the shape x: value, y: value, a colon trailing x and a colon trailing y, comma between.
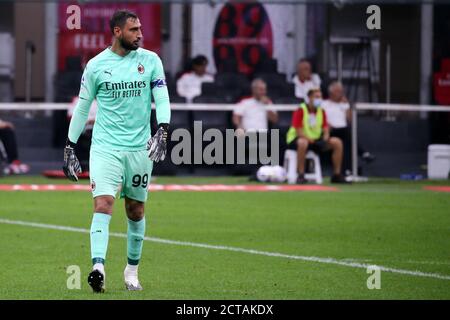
x: 99, y: 237
x: 135, y: 236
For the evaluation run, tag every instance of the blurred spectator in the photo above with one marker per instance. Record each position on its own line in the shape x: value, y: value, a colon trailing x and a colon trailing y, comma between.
x: 338, y: 113
x: 8, y: 149
x: 190, y: 84
x: 305, y: 80
x: 84, y: 142
x: 254, y: 113
x: 310, y: 131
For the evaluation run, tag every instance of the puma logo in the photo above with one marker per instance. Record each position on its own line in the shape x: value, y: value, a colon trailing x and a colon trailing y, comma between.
x: 108, y: 72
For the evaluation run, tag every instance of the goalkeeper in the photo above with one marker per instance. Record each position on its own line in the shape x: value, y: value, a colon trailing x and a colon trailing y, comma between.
x: 122, y: 79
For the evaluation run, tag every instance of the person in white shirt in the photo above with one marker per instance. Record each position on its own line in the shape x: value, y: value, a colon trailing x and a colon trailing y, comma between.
x: 254, y: 113
x: 305, y: 80
x: 338, y: 113
x: 9, y: 150
x: 189, y: 85
x: 337, y: 106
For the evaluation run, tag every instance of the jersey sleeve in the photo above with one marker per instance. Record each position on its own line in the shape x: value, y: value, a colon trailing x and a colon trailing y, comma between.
x: 297, y: 118
x: 325, y: 122
x: 88, y: 91
x: 270, y: 107
x: 183, y: 87
x: 239, y: 109
x: 160, y: 92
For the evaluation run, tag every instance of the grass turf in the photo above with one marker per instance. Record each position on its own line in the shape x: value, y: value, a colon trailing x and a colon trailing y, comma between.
x: 385, y: 222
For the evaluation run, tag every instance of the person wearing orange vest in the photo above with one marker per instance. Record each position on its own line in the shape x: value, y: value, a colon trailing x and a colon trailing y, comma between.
x: 309, y: 131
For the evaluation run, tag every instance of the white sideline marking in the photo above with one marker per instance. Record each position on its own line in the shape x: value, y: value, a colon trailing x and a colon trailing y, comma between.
x: 235, y: 249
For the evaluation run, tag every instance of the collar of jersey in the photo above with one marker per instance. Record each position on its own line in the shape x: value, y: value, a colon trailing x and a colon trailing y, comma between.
x: 119, y: 56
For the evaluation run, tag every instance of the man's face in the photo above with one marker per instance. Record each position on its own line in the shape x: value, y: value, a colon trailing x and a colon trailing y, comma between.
x: 315, y: 99
x: 259, y: 90
x: 130, y: 35
x: 336, y: 93
x: 304, y: 70
x: 200, y: 69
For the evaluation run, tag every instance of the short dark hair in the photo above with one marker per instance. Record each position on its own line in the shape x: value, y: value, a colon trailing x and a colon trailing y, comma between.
x: 312, y: 91
x: 119, y: 19
x: 304, y: 60
x: 199, y: 60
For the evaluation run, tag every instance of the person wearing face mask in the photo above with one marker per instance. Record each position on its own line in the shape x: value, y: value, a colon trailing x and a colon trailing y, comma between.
x: 310, y: 131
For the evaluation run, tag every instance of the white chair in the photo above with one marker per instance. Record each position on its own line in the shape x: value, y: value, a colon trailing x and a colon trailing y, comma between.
x: 290, y: 165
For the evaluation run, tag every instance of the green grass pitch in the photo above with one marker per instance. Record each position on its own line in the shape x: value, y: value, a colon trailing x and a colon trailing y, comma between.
x: 388, y: 223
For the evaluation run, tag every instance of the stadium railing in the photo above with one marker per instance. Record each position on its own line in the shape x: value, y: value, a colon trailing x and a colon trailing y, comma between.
x: 46, y: 106
x: 359, y: 106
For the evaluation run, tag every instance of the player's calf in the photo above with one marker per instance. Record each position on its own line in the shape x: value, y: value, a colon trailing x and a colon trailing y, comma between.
x: 135, y: 239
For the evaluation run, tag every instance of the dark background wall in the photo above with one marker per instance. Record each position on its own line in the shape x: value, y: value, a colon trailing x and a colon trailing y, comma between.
x: 6, y: 17
x: 400, y: 28
x: 440, y: 122
x: 29, y: 24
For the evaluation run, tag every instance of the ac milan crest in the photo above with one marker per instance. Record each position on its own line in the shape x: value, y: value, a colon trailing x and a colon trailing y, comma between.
x: 141, y: 68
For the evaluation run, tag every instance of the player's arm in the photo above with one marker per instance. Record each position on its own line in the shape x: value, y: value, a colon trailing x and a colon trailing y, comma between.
x: 237, y: 120
x: 238, y: 113
x: 326, y: 134
x: 183, y: 87
x: 157, y: 145
x: 80, y: 115
x: 272, y: 115
x: 325, y: 127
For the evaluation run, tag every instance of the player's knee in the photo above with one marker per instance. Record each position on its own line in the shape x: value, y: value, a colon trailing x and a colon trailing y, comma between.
x: 336, y: 142
x: 302, y: 143
x: 104, y: 204
x: 135, y: 210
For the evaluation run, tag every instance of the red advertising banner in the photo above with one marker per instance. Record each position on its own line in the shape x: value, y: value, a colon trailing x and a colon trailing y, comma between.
x: 243, y: 33
x: 441, y: 83
x: 95, y: 34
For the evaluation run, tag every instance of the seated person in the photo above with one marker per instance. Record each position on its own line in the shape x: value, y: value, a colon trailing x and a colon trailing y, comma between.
x: 309, y: 131
x: 84, y: 142
x: 9, y: 151
x: 189, y: 85
x: 305, y: 80
x: 254, y: 113
x: 338, y: 113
